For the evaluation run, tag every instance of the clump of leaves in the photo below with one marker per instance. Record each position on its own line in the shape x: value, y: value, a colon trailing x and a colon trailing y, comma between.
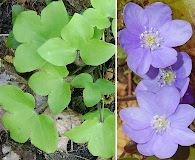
x: 45, y: 44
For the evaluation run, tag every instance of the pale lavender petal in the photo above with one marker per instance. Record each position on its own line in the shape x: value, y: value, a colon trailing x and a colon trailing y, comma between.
x: 183, y: 116
x: 135, y: 118
x: 164, y: 147
x: 139, y: 60
x: 168, y: 99
x: 158, y: 14
x: 146, y: 148
x: 141, y: 87
x: 128, y: 40
x: 147, y: 102
x: 182, y: 85
x: 139, y: 136
x: 178, y: 33
x: 163, y: 57
x: 183, y: 66
x: 149, y: 85
x: 135, y: 18
x: 184, y: 137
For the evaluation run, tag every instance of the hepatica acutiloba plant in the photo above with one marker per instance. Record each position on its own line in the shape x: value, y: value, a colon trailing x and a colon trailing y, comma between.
x: 45, y: 44
x: 161, y: 121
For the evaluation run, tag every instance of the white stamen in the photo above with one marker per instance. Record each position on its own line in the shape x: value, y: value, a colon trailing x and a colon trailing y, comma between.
x: 159, y: 123
x: 150, y: 38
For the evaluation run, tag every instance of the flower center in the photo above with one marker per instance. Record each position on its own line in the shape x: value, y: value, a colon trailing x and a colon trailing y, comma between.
x: 150, y: 39
x: 159, y: 123
x: 166, y: 76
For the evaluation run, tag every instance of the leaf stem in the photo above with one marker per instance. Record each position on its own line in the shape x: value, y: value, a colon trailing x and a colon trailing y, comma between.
x: 101, y: 111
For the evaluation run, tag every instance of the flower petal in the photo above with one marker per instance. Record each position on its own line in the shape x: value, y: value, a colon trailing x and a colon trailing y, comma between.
x: 139, y: 60
x: 163, y: 146
x: 147, y: 102
x: 182, y: 85
x: 128, y: 40
x: 178, y: 33
x: 135, y: 117
x: 163, y: 57
x: 139, y: 136
x: 168, y: 99
x: 135, y: 18
x: 158, y: 14
x: 149, y: 85
x: 152, y: 73
x: 183, y: 66
x: 183, y: 116
x: 146, y: 148
x: 184, y: 137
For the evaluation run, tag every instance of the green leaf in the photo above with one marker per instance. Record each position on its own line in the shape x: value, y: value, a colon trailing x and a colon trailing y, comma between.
x: 107, y: 7
x: 114, y: 27
x: 77, y: 32
x: 57, y: 52
x: 12, y: 97
x: 152, y: 158
x: 96, y: 18
x: 192, y: 153
x: 54, y: 17
x: 82, y: 80
x: 43, y: 83
x: 96, y: 134
x: 91, y: 115
x: 128, y: 159
x: 91, y: 95
x: 59, y: 98
x: 106, y: 87
x: 26, y: 57
x: 11, y: 41
x: 97, y: 52
x: 55, y: 70
x: 30, y: 28
x: 98, y: 33
x: 58, y: 91
x: 16, y: 10
x: 23, y: 122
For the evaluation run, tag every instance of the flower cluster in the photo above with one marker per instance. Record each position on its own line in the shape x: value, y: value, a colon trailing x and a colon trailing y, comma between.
x: 161, y: 121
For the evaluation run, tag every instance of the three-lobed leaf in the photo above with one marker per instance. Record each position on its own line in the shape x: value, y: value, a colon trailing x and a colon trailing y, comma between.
x: 24, y: 123
x: 96, y: 134
x: 30, y: 29
x: 92, y: 92
x: 51, y: 84
x: 77, y: 35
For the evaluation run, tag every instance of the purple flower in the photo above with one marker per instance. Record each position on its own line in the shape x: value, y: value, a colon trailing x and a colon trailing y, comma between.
x: 188, y: 97
x: 175, y: 75
x: 149, y: 36
x: 160, y: 123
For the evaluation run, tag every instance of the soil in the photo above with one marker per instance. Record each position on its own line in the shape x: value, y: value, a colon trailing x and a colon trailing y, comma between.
x: 9, y: 149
